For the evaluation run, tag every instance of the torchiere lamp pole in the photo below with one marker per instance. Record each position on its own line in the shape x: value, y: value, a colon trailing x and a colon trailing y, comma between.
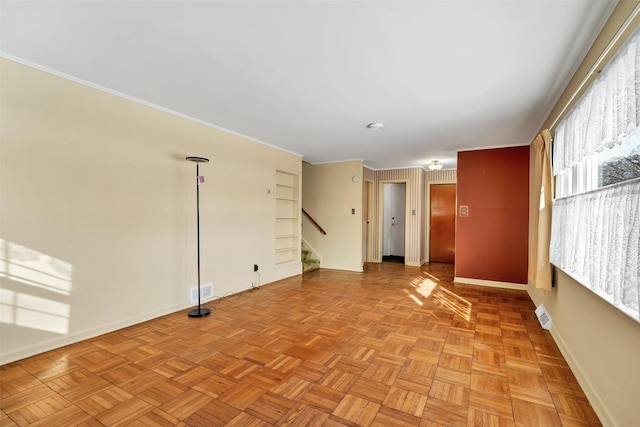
x: 198, y: 312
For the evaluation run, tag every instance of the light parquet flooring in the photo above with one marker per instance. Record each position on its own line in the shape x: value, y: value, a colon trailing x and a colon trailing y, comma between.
x: 393, y: 346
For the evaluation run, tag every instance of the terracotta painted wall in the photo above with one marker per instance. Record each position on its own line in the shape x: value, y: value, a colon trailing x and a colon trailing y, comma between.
x: 492, y: 242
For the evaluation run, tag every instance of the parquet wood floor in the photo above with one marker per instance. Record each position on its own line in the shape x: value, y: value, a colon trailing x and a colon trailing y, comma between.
x: 393, y: 346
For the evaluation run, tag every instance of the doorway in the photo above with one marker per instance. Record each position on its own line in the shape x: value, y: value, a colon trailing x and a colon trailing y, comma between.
x: 394, y: 196
x: 442, y: 223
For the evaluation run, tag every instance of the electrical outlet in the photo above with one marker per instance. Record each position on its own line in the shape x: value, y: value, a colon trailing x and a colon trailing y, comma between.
x: 255, y: 267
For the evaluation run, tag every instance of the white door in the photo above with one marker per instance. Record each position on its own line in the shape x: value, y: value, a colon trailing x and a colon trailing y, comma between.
x: 393, y: 219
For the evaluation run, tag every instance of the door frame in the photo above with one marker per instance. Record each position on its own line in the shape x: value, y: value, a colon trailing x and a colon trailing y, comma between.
x: 427, y: 226
x: 407, y: 211
x: 369, y: 187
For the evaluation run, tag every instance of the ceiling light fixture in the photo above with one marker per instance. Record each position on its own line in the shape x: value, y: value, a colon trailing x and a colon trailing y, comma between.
x: 435, y: 165
x: 375, y: 126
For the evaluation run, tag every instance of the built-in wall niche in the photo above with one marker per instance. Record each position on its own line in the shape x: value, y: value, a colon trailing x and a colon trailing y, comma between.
x: 287, y: 230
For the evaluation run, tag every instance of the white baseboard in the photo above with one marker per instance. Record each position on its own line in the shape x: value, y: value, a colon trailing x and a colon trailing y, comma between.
x: 589, y: 390
x: 587, y: 387
x: 73, y: 338
x: 491, y: 283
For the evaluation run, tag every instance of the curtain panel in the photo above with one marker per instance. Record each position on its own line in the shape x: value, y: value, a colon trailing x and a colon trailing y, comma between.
x: 607, y: 112
x: 596, y: 240
x: 539, y: 274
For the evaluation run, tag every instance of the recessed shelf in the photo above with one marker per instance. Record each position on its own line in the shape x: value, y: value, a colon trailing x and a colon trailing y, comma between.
x: 289, y: 249
x: 287, y: 216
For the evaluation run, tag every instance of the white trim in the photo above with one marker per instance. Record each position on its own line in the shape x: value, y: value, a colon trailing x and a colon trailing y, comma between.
x: 491, y: 283
x: 86, y: 334
x: 427, y: 216
x: 603, y: 297
x: 407, y: 209
x: 493, y: 147
x: 589, y: 390
x: 423, y: 167
x: 400, y: 168
x: 137, y: 100
x: 334, y: 161
x: 371, y: 208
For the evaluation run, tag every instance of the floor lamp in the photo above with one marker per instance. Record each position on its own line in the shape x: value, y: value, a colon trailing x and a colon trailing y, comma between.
x: 198, y: 312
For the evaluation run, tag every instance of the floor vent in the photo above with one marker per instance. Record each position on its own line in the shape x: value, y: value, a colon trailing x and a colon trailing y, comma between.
x: 544, y: 317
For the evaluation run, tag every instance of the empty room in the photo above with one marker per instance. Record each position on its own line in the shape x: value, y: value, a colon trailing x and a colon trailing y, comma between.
x: 330, y: 213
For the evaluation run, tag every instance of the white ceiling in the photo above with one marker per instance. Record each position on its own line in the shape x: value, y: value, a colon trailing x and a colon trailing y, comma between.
x: 308, y: 76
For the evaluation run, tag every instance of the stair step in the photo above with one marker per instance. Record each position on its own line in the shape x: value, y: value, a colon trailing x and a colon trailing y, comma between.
x: 310, y: 265
x: 305, y: 255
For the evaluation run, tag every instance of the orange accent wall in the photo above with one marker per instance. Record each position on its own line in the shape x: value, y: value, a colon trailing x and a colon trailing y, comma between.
x: 492, y: 241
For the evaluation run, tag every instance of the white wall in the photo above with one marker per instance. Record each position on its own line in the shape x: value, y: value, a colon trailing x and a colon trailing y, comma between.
x: 329, y: 195
x: 98, y: 211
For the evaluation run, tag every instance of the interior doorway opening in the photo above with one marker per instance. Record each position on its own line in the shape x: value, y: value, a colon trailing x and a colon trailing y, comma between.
x: 394, y: 196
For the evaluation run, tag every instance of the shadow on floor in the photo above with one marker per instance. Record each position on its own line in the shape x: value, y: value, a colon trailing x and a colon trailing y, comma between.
x: 393, y: 258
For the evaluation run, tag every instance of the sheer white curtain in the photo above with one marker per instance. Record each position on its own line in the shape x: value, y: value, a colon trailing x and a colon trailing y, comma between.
x: 607, y: 112
x: 595, y: 238
x: 595, y: 233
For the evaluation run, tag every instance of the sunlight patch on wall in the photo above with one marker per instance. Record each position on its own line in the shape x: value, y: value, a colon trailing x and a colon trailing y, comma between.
x: 34, y: 312
x: 24, y: 265
x: 30, y: 272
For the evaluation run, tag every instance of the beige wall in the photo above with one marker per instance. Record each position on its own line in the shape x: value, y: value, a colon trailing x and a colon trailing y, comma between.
x: 601, y: 344
x: 98, y: 211
x: 329, y: 195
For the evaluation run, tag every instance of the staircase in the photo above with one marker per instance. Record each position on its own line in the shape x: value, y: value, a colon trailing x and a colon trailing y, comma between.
x: 308, y: 263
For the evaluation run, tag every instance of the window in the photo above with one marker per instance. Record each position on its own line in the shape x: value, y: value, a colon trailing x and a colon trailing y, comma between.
x: 611, y: 165
x: 596, y: 159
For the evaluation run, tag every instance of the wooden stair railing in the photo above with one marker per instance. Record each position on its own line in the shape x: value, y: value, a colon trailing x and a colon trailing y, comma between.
x: 314, y: 221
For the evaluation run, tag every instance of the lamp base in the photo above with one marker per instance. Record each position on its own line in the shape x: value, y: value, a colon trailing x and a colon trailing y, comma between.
x: 199, y: 312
